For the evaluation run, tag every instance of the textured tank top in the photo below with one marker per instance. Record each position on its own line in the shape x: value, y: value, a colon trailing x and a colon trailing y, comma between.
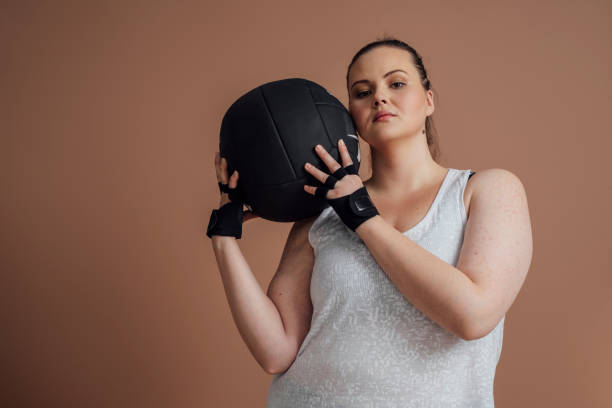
x: 368, y: 346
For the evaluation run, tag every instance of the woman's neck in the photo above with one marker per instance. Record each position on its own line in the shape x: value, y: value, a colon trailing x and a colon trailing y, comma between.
x: 402, y: 168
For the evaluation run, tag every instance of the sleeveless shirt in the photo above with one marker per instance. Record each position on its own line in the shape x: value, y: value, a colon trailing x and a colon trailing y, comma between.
x: 368, y: 346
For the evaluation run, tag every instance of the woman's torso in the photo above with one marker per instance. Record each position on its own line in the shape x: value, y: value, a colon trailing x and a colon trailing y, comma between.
x: 367, y: 344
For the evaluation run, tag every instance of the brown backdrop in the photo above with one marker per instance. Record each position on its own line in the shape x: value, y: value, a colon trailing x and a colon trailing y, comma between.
x: 110, y: 116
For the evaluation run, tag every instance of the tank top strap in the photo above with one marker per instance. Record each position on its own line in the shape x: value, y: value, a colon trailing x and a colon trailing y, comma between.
x: 460, y: 193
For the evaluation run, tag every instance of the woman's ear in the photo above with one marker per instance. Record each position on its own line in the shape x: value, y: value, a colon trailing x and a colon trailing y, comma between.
x: 430, y: 102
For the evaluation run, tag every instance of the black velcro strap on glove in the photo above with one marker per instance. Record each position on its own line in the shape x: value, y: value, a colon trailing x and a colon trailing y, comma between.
x: 332, y: 179
x: 226, y: 221
x: 353, y: 209
x: 233, y: 193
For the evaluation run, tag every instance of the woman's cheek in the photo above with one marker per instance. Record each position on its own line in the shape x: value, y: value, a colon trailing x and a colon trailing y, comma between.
x: 359, y: 117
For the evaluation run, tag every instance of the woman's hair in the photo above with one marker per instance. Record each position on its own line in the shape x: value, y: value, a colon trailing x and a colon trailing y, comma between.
x: 430, y: 130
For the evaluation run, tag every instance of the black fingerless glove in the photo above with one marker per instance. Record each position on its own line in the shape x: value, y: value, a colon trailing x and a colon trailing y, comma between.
x: 227, y: 220
x: 353, y: 209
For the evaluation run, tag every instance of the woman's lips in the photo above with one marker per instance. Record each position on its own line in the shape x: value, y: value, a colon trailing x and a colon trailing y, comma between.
x: 383, y: 117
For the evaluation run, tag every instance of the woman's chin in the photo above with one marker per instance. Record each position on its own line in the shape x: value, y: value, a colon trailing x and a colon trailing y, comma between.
x: 386, y: 133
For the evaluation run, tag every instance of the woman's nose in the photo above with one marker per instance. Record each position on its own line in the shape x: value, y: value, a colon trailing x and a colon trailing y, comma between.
x: 379, y: 98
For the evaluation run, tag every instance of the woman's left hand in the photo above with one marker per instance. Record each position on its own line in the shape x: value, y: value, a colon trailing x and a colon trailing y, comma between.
x: 343, y: 188
x: 345, y: 185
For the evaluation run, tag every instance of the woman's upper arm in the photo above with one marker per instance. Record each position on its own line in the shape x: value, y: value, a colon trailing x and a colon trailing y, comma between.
x: 497, y: 246
x: 289, y: 289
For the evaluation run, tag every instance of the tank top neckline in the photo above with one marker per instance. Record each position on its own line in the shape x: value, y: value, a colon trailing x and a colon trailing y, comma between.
x: 430, y: 211
x: 433, y: 205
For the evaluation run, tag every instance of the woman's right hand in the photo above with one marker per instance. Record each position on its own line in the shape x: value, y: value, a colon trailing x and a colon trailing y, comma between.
x: 222, y: 177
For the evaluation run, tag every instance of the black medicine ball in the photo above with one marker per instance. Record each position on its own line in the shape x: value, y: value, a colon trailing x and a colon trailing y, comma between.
x: 269, y: 133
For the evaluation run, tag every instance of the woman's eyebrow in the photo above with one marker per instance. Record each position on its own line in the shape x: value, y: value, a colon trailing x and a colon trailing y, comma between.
x: 384, y: 76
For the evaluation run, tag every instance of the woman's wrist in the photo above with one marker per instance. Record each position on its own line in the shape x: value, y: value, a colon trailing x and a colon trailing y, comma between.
x: 226, y: 221
x: 355, y: 208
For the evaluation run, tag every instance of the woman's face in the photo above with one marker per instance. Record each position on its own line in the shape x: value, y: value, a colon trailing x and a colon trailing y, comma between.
x: 400, y: 93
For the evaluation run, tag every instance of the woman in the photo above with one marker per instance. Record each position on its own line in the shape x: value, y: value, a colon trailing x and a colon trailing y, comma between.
x: 402, y: 302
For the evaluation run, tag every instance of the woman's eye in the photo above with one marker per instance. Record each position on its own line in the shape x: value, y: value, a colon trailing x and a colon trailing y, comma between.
x: 360, y: 94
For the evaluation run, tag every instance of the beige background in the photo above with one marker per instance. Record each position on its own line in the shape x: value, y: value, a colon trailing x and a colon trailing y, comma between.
x: 110, y: 113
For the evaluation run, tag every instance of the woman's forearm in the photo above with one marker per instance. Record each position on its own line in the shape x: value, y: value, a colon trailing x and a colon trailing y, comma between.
x: 256, y: 316
x: 438, y: 289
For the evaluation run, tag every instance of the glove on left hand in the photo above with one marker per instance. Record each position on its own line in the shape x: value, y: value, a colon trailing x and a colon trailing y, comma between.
x: 353, y: 209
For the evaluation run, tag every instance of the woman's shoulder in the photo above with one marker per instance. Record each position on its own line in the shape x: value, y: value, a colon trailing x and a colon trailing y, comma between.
x: 483, y: 179
x: 489, y: 180
x: 303, y: 226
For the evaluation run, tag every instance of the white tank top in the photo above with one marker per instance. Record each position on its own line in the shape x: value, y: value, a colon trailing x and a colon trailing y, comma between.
x: 368, y: 346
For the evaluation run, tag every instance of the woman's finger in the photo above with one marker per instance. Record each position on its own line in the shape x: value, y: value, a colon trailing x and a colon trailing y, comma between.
x: 223, y: 170
x: 218, y: 165
x: 309, y: 189
x: 327, y: 158
x: 344, y: 153
x: 318, y: 174
x: 233, y: 181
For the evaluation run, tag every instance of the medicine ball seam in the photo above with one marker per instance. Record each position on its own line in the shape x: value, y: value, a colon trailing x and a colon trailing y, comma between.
x: 330, y: 104
x: 263, y: 97
x: 301, y: 179
x: 331, y: 143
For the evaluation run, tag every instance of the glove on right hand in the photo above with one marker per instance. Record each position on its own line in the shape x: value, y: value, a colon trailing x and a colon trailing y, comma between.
x: 227, y: 220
